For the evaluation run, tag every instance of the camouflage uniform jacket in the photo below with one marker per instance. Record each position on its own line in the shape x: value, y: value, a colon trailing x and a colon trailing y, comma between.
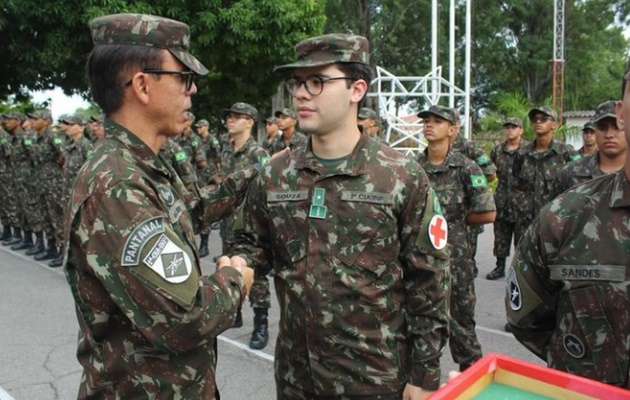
x: 249, y: 154
x: 462, y: 189
x: 533, y: 174
x: 472, y: 150
x: 579, y: 171
x: 363, y: 294
x: 48, y: 158
x: 177, y: 158
x: 5, y: 151
x: 23, y: 144
x: 503, y: 158
x: 192, y: 146
x: 297, y: 140
x: 76, y: 155
x: 148, y: 318
x: 567, y: 297
x: 269, y: 144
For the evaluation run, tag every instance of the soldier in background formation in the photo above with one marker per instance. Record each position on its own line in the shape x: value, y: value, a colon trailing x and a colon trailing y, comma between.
x: 567, y: 295
x: 273, y: 133
x: 343, y: 221
x: 502, y: 156
x: 465, y: 200
x: 11, y: 223
x: 610, y: 152
x: 368, y: 122
x: 244, y: 152
x: 588, y: 140
x: 291, y: 138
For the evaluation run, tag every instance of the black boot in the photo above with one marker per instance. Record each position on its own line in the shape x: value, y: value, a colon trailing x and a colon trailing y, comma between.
x: 203, y: 246
x: 260, y: 335
x: 238, y: 322
x: 52, y: 252
x: 499, y: 271
x: 15, y: 239
x: 6, y: 233
x: 39, y: 247
x: 57, y: 262
x: 26, y: 243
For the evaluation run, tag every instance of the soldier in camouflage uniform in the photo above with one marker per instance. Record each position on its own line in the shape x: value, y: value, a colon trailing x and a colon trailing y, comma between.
x: 177, y: 159
x: 291, y: 137
x: 148, y: 318
x: 240, y: 120
x: 273, y: 132
x: 13, y: 123
x: 78, y: 151
x: 8, y: 200
x: 535, y: 168
x: 48, y: 159
x: 466, y: 200
x: 610, y: 154
x: 212, y: 149
x: 588, y: 139
x: 502, y: 156
x: 96, y: 128
x: 567, y: 293
x: 190, y: 142
x: 368, y: 121
x: 344, y: 222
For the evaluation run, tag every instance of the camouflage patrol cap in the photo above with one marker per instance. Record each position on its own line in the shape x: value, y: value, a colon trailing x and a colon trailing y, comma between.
x: 329, y: 49
x: 14, y: 115
x: 513, y: 121
x: 96, y: 118
x: 146, y: 30
x: 271, y: 119
x: 588, y: 126
x: 242, y: 108
x: 367, y: 113
x: 202, y: 122
x: 73, y: 120
x: 605, y: 110
x: 447, y: 113
x: 287, y: 112
x: 544, y: 110
x: 41, y: 114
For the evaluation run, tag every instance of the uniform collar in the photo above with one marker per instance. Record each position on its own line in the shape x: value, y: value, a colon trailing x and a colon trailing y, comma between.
x: 136, y: 146
x: 354, y: 165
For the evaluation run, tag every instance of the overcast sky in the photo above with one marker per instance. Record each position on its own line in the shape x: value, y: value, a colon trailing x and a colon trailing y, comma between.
x: 60, y: 103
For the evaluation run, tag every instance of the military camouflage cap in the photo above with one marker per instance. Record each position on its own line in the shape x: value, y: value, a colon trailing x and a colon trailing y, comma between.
x: 72, y: 120
x: 513, y: 121
x: 605, y: 110
x: 271, y: 119
x: 367, y: 113
x: 329, y: 49
x: 287, y: 112
x: 544, y: 110
x: 588, y: 126
x: 96, y: 118
x: 242, y: 108
x: 447, y: 113
x: 14, y: 115
x: 146, y: 30
x: 41, y: 114
x: 202, y: 122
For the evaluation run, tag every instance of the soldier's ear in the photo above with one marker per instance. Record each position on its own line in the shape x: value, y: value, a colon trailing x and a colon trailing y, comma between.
x: 619, y: 114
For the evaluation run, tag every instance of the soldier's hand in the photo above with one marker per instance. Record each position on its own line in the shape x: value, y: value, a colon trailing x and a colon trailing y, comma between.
x: 412, y: 392
x: 239, y: 264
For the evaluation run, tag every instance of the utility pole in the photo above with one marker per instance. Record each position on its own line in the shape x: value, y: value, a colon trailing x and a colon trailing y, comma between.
x: 558, y: 57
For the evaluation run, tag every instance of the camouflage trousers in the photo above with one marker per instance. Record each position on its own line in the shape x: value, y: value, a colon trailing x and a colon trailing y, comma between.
x: 463, y: 342
x: 284, y: 391
x: 503, y: 234
x: 472, y: 235
x: 521, y: 225
x: 8, y: 201
x: 53, y: 215
x: 30, y: 208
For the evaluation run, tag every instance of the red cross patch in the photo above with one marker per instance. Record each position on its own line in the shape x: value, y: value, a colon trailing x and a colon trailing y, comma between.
x: 438, y: 232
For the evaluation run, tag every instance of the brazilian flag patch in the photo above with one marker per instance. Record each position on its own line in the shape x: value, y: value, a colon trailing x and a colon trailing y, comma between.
x: 180, y: 156
x: 264, y: 160
x: 483, y: 159
x: 575, y: 157
x: 57, y: 141
x: 479, y: 181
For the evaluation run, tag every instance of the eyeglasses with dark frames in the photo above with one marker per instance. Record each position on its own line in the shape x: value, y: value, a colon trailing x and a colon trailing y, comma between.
x: 187, y: 77
x: 313, y: 84
x: 541, y: 118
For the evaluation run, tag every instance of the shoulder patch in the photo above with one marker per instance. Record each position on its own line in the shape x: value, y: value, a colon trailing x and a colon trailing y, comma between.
x: 166, y: 194
x: 57, y: 140
x: 438, y: 232
x: 180, y: 156
x: 169, y: 261
x: 28, y: 142
x: 483, y: 159
x: 478, y: 181
x: 575, y: 157
x: 138, y: 238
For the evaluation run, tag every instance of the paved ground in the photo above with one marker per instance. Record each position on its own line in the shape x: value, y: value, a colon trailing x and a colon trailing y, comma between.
x: 39, y: 330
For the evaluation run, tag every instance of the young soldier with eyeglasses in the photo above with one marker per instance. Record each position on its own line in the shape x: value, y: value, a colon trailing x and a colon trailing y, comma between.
x: 353, y: 232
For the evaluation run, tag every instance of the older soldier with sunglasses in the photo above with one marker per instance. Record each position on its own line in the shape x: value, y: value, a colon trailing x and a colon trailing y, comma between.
x: 148, y: 318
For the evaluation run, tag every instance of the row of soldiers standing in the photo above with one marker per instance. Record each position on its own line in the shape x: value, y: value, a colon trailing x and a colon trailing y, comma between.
x: 37, y: 167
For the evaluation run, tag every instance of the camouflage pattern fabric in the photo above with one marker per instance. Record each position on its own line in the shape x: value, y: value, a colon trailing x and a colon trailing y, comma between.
x: 330, y: 49
x: 298, y: 139
x: 363, y: 294
x: 533, y: 173
x: 249, y: 154
x: 579, y: 171
x: 567, y: 296
x: 504, y: 199
x: 23, y: 179
x: 176, y: 157
x: 148, y: 319
x: 446, y: 113
x: 462, y: 189
x: 7, y: 198
x: 192, y: 146
x: 7, y: 180
x: 146, y: 30
x: 211, y: 148
x: 48, y: 159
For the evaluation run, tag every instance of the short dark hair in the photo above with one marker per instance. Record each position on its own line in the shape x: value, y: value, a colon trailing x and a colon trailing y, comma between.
x: 359, y: 71
x: 110, y: 67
